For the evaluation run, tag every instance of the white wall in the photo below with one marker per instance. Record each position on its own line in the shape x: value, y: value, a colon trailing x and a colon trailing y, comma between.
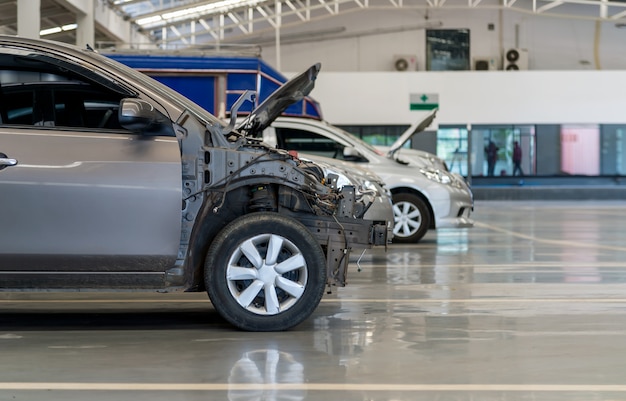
x: 577, y: 68
x: 475, y: 97
x: 371, y: 38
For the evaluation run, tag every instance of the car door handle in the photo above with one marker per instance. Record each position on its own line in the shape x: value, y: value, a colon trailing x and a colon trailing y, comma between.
x: 6, y: 162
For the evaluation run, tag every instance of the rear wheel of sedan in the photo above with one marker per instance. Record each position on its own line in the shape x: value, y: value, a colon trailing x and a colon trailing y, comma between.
x: 411, y: 218
x: 265, y: 272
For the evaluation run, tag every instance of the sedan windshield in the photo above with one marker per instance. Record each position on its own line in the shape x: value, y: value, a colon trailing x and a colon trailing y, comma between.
x: 355, y: 140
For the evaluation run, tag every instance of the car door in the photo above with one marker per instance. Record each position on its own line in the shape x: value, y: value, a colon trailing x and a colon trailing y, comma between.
x: 83, y: 202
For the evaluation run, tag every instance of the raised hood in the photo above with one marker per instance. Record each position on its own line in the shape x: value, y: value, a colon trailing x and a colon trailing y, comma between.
x: 418, y: 127
x: 290, y: 92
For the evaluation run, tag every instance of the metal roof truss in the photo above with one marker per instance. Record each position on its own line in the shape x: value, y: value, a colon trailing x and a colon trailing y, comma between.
x: 232, y: 21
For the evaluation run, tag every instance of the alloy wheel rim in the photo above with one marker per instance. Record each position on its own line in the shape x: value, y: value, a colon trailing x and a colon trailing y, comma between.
x: 407, y: 219
x: 267, y: 274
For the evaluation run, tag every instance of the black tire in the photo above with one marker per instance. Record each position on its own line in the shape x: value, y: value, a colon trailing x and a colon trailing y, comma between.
x: 237, y: 275
x: 411, y: 218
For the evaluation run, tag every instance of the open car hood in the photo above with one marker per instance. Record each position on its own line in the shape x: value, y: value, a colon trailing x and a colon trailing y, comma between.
x: 289, y: 93
x: 416, y: 128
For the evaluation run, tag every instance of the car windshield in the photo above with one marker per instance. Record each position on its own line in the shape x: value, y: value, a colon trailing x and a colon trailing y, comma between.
x: 353, y: 139
x: 154, y: 85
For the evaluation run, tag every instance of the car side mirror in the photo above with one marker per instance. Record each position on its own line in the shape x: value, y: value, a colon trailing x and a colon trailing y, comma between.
x: 352, y: 155
x: 141, y: 117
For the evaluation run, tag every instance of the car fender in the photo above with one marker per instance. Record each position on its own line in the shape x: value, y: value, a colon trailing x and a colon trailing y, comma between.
x: 435, y: 195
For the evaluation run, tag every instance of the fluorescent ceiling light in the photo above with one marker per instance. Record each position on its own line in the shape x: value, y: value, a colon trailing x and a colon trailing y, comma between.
x: 50, y: 31
x: 57, y: 29
x: 149, y: 20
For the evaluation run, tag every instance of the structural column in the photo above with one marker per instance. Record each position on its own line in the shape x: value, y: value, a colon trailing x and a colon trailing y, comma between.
x: 28, y: 18
x: 86, y: 26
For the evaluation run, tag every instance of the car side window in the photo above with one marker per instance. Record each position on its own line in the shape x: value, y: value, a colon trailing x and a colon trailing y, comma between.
x: 308, y: 142
x: 39, y: 98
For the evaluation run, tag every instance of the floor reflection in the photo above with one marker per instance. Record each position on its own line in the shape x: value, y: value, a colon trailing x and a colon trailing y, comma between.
x: 579, y: 262
x: 266, y: 366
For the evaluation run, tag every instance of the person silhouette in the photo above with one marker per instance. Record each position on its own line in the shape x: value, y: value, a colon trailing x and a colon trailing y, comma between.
x: 492, y: 156
x: 517, y: 159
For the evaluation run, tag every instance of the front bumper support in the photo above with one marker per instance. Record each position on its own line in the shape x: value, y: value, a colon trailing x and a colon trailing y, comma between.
x: 338, y: 236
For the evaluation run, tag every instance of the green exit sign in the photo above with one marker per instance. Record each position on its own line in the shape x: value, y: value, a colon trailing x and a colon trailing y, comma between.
x: 424, y: 101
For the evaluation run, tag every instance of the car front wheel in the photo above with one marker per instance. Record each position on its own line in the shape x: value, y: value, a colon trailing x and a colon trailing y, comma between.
x: 411, y: 218
x: 265, y: 272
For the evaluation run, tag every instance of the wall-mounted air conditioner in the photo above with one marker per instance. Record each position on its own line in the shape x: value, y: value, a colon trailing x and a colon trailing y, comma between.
x: 407, y: 62
x: 485, y: 64
x: 515, y: 59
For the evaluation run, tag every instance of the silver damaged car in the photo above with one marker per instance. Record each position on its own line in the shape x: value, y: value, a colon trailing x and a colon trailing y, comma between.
x: 110, y: 180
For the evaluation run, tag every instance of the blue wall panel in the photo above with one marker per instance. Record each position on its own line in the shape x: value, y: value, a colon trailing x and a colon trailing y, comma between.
x: 195, y: 78
x: 200, y: 89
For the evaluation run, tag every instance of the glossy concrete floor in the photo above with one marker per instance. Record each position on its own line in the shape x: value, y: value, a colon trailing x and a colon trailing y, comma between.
x: 530, y: 304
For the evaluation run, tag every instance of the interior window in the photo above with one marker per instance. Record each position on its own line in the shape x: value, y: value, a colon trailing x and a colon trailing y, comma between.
x: 41, y: 98
x: 447, y: 49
